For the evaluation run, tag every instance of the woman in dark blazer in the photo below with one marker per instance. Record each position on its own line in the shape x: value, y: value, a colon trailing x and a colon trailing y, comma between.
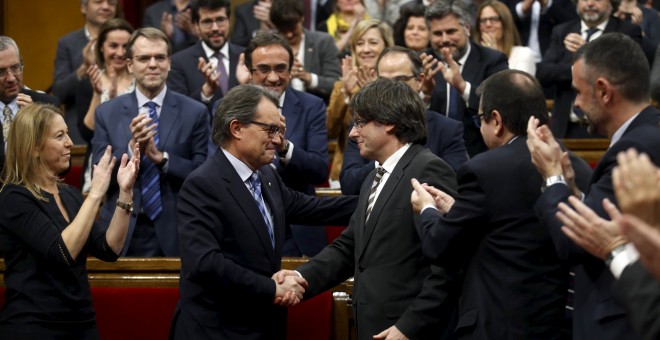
x: 47, y: 229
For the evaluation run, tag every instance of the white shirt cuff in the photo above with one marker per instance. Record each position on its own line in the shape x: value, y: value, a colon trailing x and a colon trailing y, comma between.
x: 314, y: 83
x: 623, y: 259
x: 466, y: 93
x: 205, y: 99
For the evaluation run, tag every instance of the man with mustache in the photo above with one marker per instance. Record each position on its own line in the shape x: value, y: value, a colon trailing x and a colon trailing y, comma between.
x: 207, y: 70
x: 555, y: 69
x: 456, y: 67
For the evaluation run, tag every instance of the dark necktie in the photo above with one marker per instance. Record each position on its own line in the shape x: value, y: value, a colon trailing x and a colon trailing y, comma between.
x: 255, y: 183
x: 454, y: 97
x: 380, y: 171
x: 150, y: 177
x: 223, y: 79
x: 591, y: 32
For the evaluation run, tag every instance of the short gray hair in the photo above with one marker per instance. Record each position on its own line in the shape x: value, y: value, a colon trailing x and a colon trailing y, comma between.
x: 440, y: 9
x: 6, y: 42
x: 239, y: 104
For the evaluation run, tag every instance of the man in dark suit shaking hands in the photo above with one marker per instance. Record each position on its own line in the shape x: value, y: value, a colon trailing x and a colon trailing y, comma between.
x: 233, y: 213
x: 398, y: 293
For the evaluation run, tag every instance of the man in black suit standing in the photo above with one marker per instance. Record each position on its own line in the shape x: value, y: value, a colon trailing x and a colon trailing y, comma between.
x: 555, y: 69
x: 233, y: 213
x: 611, y: 78
x: 13, y: 93
x: 398, y: 292
x: 515, y: 284
x: 207, y: 70
x: 462, y: 65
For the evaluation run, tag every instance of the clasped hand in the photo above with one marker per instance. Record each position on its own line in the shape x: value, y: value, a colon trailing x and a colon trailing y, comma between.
x: 289, y: 288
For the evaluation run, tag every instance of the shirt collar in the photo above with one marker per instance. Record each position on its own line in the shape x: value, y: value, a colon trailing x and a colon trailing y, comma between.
x: 158, y: 99
x: 209, y: 52
x: 619, y: 132
x: 390, y: 162
x: 244, y: 171
x: 463, y: 59
x: 13, y: 105
x: 601, y: 26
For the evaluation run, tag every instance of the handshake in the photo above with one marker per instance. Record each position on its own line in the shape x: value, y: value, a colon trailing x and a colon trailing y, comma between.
x: 289, y: 288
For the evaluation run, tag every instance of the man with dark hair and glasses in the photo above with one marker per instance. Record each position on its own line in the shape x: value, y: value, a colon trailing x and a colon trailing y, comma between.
x: 302, y: 157
x: 233, y: 213
x: 515, y: 283
x: 445, y: 137
x: 13, y: 93
x: 207, y: 70
x: 173, y: 133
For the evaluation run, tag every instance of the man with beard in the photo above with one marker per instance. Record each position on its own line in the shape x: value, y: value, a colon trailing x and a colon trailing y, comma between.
x: 555, y: 69
x: 611, y: 78
x: 461, y: 67
x: 207, y: 70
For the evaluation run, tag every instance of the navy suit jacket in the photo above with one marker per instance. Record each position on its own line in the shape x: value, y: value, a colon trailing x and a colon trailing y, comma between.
x: 395, y: 284
x: 638, y: 292
x: 555, y: 68
x: 185, y: 78
x: 245, y: 24
x: 445, y: 140
x: 480, y: 64
x: 67, y: 60
x: 226, y: 254
x: 596, y: 314
x: 184, y: 134
x: 515, y: 284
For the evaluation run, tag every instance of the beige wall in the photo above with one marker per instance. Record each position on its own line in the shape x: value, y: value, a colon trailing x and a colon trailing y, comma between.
x: 37, y: 25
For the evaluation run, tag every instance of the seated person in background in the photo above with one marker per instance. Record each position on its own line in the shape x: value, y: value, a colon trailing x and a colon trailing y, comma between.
x: 13, y: 93
x: 369, y: 39
x: 410, y: 29
x: 341, y: 23
x: 173, y: 17
x: 445, y: 135
x: 50, y: 229
x: 495, y: 29
x: 207, y: 70
x: 315, y: 67
x: 109, y: 78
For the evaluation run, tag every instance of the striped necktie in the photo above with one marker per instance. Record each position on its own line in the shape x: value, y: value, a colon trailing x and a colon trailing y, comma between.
x: 150, y: 177
x: 255, y: 183
x: 380, y: 171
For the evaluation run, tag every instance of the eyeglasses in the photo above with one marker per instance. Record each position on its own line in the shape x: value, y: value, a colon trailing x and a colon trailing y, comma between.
x: 481, y: 117
x: 403, y: 78
x: 16, y: 70
x: 491, y: 20
x: 271, y: 129
x: 265, y: 70
x: 360, y: 123
x: 208, y: 23
x: 160, y: 58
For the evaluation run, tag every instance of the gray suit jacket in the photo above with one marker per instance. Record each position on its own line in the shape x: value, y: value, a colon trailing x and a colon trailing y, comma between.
x: 184, y: 133
x: 321, y: 59
x: 67, y: 60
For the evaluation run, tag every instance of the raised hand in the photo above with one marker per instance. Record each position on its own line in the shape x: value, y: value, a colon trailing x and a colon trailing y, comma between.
x: 544, y: 149
x: 23, y: 99
x: 646, y: 239
x: 142, y: 130
x: 210, y: 74
x: 243, y: 75
x: 102, y: 173
x: 128, y: 170
x: 348, y: 74
x: 452, y: 72
x: 167, y: 24
x: 365, y: 75
x: 637, y: 186
x: 430, y: 70
x: 94, y: 75
x: 573, y: 41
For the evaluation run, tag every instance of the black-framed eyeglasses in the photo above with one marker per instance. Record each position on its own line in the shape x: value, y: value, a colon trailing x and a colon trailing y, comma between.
x: 491, y: 20
x: 271, y: 129
x: 481, y: 117
x: 145, y: 58
x: 265, y: 70
x: 403, y: 78
x: 360, y: 123
x: 208, y: 23
x: 16, y: 70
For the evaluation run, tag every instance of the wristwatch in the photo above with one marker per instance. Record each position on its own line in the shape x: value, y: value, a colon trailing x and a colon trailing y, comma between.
x: 552, y: 180
x: 283, y: 153
x: 166, y: 157
x: 616, y: 251
x: 128, y: 207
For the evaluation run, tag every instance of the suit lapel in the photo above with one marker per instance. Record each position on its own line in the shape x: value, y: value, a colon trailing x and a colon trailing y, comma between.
x: 169, y: 118
x: 234, y: 54
x: 291, y: 110
x: 472, y: 65
x: 309, y: 51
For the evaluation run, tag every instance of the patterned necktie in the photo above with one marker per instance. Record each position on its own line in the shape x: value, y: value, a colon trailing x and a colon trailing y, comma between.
x: 6, y: 122
x: 223, y: 79
x: 150, y: 177
x: 255, y: 183
x: 380, y: 171
x: 591, y: 32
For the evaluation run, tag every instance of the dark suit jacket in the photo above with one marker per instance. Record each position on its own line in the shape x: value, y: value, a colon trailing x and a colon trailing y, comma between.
x: 560, y: 11
x: 226, y: 254
x: 639, y: 292
x: 67, y: 60
x: 321, y: 59
x: 245, y: 24
x: 153, y: 16
x: 184, y: 133
x: 596, y: 314
x: 515, y: 285
x: 480, y: 64
x: 394, y: 283
x: 185, y: 78
x: 555, y: 69
x: 445, y: 140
